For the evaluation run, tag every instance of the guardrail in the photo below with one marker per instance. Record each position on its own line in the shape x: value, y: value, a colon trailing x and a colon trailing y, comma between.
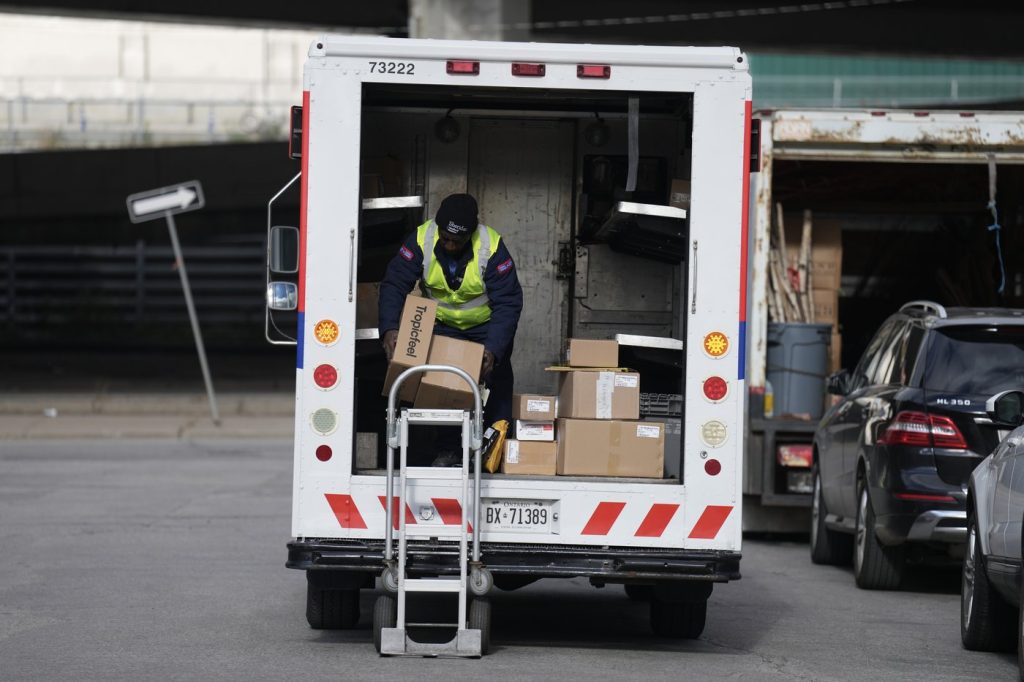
x: 43, y: 288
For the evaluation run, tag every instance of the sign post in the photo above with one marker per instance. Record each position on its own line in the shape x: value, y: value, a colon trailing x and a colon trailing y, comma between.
x: 164, y: 203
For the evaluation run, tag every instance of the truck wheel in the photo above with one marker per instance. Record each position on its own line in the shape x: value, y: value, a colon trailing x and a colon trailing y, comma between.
x: 385, y: 615
x: 328, y: 609
x: 679, y: 620
x: 827, y: 546
x: 875, y: 566
x: 986, y: 621
x: 639, y: 592
x: 480, y: 619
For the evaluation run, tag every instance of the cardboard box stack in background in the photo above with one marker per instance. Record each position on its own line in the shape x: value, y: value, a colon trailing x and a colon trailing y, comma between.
x: 367, y: 294
x: 415, y: 330
x: 597, y: 428
x: 826, y: 274
x: 533, y: 417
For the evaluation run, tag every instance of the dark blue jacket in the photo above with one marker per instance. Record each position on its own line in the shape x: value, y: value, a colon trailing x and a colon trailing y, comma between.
x: 500, y: 278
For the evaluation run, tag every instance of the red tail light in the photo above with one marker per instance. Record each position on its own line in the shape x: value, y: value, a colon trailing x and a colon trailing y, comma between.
x: 469, y: 68
x: 923, y: 430
x: 593, y: 71
x: 527, y: 69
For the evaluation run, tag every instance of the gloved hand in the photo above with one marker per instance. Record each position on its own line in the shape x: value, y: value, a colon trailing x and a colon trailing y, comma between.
x: 388, y: 342
x: 487, y: 365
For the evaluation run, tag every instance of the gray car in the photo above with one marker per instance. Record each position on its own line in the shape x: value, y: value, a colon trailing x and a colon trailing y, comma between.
x: 990, y: 594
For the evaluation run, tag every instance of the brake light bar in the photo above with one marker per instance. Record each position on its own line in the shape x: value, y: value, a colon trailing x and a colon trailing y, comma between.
x: 520, y: 69
x: 464, y: 68
x: 593, y: 71
x: 923, y: 430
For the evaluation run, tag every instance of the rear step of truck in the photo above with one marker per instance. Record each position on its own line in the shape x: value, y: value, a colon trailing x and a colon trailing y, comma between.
x: 472, y: 629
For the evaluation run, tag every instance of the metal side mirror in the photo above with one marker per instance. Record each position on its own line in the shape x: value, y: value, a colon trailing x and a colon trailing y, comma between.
x: 838, y: 383
x: 1006, y: 408
x: 284, y: 249
x: 282, y: 296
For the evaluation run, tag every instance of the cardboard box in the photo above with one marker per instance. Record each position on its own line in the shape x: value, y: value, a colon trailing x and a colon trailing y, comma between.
x: 535, y: 430
x: 529, y: 457
x: 826, y: 250
x: 533, y: 407
x: 367, y: 294
x: 679, y: 196
x: 825, y: 306
x: 445, y: 390
x: 610, y: 448
x: 415, y: 329
x: 835, y: 353
x: 386, y: 173
x: 599, y: 395
x: 592, y: 353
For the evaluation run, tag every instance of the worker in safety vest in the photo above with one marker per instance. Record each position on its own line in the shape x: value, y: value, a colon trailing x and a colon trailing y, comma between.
x: 464, y: 266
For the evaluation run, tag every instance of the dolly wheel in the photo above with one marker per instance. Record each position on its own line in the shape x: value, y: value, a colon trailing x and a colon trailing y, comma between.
x: 385, y: 615
x: 480, y: 619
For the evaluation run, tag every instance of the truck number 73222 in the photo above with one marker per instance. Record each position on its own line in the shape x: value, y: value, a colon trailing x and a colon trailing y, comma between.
x: 402, y: 68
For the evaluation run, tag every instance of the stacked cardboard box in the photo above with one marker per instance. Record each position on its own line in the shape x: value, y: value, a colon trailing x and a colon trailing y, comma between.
x: 825, y: 272
x: 598, y: 410
x: 417, y: 345
x: 533, y: 449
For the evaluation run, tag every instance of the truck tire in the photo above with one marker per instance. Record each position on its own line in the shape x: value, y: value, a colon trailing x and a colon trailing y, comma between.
x: 986, y: 620
x: 679, y: 620
x: 875, y: 566
x: 385, y: 615
x: 639, y: 592
x: 480, y: 619
x: 331, y: 609
x: 827, y: 546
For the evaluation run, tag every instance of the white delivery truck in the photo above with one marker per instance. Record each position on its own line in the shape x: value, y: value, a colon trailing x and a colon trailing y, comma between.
x: 571, y: 152
x: 900, y: 199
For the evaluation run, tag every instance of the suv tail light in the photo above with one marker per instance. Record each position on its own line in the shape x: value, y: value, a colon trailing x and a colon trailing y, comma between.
x: 923, y: 430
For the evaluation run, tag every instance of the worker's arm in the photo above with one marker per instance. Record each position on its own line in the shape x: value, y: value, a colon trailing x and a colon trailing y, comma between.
x: 506, y: 298
x: 399, y: 279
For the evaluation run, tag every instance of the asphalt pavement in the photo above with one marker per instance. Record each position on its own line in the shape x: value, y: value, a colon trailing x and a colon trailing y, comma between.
x: 164, y: 559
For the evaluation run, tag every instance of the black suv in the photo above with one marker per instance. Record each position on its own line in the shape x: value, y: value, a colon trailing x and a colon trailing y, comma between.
x: 893, y: 456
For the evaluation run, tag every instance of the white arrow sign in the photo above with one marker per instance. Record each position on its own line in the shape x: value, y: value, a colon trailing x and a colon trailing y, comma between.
x: 157, y: 203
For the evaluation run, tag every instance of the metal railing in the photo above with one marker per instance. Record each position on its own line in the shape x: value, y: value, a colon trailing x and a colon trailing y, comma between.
x: 46, y: 287
x: 773, y: 91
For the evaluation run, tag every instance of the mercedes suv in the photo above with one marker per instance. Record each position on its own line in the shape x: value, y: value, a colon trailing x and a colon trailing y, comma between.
x: 892, y: 458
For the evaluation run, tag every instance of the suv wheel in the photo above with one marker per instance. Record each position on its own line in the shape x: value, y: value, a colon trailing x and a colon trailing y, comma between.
x: 827, y: 546
x: 986, y: 621
x: 875, y: 566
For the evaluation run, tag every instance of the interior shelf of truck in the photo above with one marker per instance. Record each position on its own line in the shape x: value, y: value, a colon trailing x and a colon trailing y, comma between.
x: 648, y: 230
x: 386, y: 210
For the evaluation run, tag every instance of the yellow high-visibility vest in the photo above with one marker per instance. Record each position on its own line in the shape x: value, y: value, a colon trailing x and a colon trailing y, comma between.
x: 467, y: 306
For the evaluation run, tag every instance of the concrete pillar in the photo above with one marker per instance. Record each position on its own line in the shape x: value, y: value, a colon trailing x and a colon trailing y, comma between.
x: 469, y: 19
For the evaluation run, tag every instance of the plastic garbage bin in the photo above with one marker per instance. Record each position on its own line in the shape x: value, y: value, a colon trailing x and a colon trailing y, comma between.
x: 797, y: 365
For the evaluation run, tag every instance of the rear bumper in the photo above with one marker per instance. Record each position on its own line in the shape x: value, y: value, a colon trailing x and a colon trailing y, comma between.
x: 933, y: 525
x: 608, y: 564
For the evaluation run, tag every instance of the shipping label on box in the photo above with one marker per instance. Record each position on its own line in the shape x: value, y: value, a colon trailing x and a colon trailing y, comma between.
x: 592, y: 353
x: 599, y: 395
x: 415, y: 330
x: 532, y: 458
x: 535, y: 430
x: 533, y: 407
x: 444, y: 390
x: 610, y: 448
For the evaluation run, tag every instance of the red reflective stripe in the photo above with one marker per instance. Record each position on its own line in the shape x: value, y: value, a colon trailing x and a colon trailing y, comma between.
x: 745, y: 211
x: 656, y: 521
x: 450, y: 511
x: 303, y: 200
x: 710, y: 522
x: 409, y: 518
x: 603, y: 518
x: 344, y: 508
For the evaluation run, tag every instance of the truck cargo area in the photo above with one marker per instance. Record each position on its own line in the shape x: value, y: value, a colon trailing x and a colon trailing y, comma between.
x: 549, y: 172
